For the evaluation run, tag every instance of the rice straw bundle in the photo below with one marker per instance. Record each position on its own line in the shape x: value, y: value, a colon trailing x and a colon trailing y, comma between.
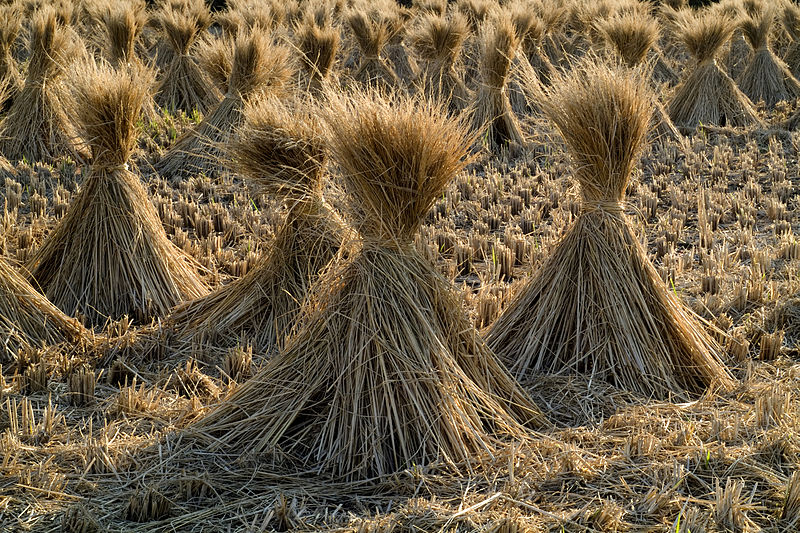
x: 791, y: 23
x: 477, y: 13
x: 396, y: 51
x: 28, y: 319
x: 282, y: 153
x: 36, y: 126
x: 490, y: 110
x: 708, y: 95
x: 123, y: 23
x: 384, y: 371
x: 371, y: 33
x: 597, y: 305
x: 215, y: 57
x: 437, y: 41
x: 258, y: 66
x: 318, y: 45
x: 530, y: 29
x: 109, y: 255
x: 10, y: 77
x: 765, y: 77
x: 183, y: 84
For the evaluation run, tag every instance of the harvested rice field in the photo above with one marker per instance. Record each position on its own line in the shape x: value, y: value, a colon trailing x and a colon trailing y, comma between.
x: 367, y: 266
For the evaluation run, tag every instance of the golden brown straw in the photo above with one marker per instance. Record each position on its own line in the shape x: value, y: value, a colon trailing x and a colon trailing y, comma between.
x: 765, y: 77
x: 318, y: 45
x: 438, y: 41
x: 36, y: 127
x: 371, y: 32
x: 708, y: 95
x: 183, y: 85
x: 791, y: 23
x: 281, y: 152
x: 258, y: 66
x: 28, y: 319
x: 490, y: 111
x: 384, y: 371
x: 109, y: 255
x: 10, y: 77
x: 597, y: 305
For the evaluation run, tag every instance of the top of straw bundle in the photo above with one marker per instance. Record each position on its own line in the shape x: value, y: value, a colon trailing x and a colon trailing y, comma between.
x: 50, y: 46
x: 603, y: 115
x: 403, y: 160
x: 438, y: 38
x: 182, y: 27
x: 123, y: 24
x: 10, y: 25
x: 704, y: 34
x: 370, y: 32
x: 258, y: 64
x: 499, y: 43
x: 107, y: 108
x: 280, y: 150
x: 476, y: 11
x: 756, y: 28
x: 632, y: 35
x: 791, y: 20
x: 529, y: 27
x: 318, y: 45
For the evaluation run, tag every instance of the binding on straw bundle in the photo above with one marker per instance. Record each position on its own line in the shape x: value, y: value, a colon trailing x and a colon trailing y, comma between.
x: 109, y: 255
x: 437, y: 41
x: 791, y: 23
x: 597, y: 305
x: 28, y: 319
x: 258, y: 66
x: 10, y: 77
x: 708, y: 95
x: 281, y: 152
x: 371, y: 32
x: 36, y: 127
x: 318, y: 45
x: 384, y: 371
x: 765, y: 77
x: 183, y: 85
x: 490, y: 110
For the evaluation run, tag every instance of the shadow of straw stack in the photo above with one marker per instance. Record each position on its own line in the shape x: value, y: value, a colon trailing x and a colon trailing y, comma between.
x: 597, y: 306
x: 280, y: 152
x: 385, y: 370
x: 109, y: 255
x: 37, y: 126
x: 258, y: 67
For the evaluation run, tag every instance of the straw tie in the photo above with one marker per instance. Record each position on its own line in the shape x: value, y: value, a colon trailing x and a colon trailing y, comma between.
x: 612, y: 207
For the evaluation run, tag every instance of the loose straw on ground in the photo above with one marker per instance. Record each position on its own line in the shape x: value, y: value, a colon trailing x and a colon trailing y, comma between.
x: 385, y: 371
x: 597, y: 306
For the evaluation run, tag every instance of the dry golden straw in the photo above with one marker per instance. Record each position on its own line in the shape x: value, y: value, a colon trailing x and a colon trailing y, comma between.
x: 384, y: 371
x: 597, y: 305
x: 318, y: 45
x: 281, y: 152
x: 258, y: 66
x: 791, y: 23
x: 10, y: 77
x: 371, y: 32
x: 708, y: 95
x: 109, y: 255
x: 36, y: 127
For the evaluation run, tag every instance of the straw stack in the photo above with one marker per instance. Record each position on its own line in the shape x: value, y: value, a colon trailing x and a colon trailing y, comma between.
x: 385, y: 371
x: 371, y: 32
x: 281, y: 152
x: 597, y: 305
x: 258, y: 66
x: 10, y: 77
x: 109, y: 255
x: 791, y: 23
x: 318, y: 45
x: 36, y: 127
x: 707, y: 95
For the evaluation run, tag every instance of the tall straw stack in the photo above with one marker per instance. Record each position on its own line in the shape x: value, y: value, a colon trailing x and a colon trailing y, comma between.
x: 123, y: 24
x: 318, y: 45
x: 531, y: 29
x: 258, y: 66
x: 281, y: 152
x: 396, y: 51
x: 10, y: 77
x: 597, y: 306
x: 28, y: 319
x: 490, y: 111
x: 708, y: 95
x: 437, y: 41
x: 371, y: 32
x: 109, y: 255
x: 791, y: 23
x: 183, y: 84
x: 477, y: 13
x: 36, y: 127
x: 384, y: 371
x: 765, y: 78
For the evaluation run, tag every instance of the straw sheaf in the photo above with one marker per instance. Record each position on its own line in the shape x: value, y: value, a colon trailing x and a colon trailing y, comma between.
x: 50, y: 47
x: 107, y: 107
x: 791, y: 20
x: 499, y: 44
x: 756, y: 29
x: 476, y: 11
x: 215, y: 56
x: 396, y: 160
x: 631, y: 36
x: 258, y: 64
x: 123, y: 25
x: 280, y: 150
x: 318, y: 46
x: 371, y: 33
x: 10, y: 26
x: 182, y: 28
x: 528, y: 26
x: 705, y: 34
x: 440, y: 39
